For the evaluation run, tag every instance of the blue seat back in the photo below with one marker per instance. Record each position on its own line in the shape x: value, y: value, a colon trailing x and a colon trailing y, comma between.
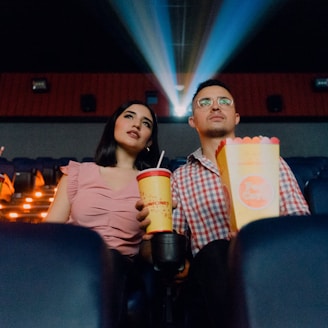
x: 316, y: 195
x: 53, y: 275
x: 279, y: 270
x: 9, y: 169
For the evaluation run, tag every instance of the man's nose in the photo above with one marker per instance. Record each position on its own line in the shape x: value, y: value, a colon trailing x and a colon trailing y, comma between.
x: 216, y: 107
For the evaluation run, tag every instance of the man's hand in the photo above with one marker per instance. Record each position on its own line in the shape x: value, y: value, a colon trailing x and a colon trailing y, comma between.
x: 182, y: 276
x: 232, y: 234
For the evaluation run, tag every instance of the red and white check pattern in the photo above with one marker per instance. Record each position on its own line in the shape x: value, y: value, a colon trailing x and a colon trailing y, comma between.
x: 201, y: 212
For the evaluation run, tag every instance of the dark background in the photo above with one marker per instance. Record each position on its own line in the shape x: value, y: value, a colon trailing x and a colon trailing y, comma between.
x: 85, y: 36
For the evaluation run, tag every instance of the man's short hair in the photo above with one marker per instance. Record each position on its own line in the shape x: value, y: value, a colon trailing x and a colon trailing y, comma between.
x: 209, y: 83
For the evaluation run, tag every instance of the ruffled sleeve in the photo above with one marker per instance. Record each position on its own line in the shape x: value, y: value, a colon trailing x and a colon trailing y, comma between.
x: 72, y: 171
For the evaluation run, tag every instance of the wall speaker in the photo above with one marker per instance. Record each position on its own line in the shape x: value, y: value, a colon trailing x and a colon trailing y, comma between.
x: 274, y: 103
x: 40, y: 85
x: 88, y: 103
x: 320, y: 84
x: 151, y: 97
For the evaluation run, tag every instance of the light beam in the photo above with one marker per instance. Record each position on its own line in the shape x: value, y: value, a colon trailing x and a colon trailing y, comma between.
x: 148, y: 23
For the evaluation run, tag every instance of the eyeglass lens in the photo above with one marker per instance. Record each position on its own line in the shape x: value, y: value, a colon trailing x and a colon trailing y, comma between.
x: 206, y: 102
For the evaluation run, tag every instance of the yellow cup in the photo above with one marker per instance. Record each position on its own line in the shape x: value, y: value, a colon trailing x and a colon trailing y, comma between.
x: 155, y: 191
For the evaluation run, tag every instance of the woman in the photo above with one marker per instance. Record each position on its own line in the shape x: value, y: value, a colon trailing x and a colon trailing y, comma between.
x: 102, y: 195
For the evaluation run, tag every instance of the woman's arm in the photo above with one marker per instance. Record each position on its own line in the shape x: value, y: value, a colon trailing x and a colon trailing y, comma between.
x: 60, y: 208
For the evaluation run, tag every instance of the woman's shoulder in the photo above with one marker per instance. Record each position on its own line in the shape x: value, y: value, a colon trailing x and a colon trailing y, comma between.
x: 87, y: 164
x: 75, y: 167
x: 79, y: 174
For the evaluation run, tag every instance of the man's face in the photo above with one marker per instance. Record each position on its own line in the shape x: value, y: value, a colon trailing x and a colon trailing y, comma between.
x: 214, y: 113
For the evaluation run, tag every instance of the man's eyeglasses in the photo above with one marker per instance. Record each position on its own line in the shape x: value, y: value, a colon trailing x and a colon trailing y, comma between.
x: 207, y: 102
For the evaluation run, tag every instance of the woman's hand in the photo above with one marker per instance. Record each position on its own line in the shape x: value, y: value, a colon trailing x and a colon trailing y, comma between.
x: 142, y: 218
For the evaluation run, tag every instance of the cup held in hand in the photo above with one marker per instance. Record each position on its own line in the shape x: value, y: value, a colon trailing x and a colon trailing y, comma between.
x: 155, y: 191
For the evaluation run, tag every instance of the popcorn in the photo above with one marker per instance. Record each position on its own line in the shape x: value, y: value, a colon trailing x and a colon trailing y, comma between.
x: 249, y: 169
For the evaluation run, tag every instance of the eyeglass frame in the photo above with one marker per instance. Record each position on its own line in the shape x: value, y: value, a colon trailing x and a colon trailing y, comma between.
x: 212, y: 102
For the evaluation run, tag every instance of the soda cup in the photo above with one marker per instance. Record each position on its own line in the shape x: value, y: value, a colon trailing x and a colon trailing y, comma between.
x: 155, y: 191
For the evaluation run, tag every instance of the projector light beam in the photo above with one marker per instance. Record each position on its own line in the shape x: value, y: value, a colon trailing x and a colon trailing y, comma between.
x: 148, y: 23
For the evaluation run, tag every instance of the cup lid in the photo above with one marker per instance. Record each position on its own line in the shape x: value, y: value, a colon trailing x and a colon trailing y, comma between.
x: 154, y: 172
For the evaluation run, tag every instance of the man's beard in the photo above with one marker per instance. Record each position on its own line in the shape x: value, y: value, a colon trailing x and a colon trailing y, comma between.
x: 216, y: 133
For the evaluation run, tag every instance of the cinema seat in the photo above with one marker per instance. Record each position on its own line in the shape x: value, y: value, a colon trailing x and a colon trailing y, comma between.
x: 9, y: 169
x: 316, y: 195
x: 54, y: 275
x: 306, y: 168
x: 279, y: 270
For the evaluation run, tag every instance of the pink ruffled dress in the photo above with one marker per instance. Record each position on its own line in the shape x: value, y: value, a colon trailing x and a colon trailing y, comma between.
x: 95, y: 205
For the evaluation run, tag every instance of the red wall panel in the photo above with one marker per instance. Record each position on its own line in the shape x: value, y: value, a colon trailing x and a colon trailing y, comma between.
x: 63, y: 100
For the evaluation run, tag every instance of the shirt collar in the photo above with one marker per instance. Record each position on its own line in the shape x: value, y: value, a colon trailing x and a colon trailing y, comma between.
x: 197, y: 155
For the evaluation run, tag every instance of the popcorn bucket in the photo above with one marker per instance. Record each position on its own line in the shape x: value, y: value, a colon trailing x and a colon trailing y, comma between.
x: 249, y: 169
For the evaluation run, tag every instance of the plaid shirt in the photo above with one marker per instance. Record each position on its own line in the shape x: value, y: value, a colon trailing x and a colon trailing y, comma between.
x: 202, y: 214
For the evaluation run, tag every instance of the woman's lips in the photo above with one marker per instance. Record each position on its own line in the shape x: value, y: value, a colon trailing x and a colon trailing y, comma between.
x: 134, y: 134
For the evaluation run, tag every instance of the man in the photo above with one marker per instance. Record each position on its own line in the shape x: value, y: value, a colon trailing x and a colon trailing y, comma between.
x: 201, y: 212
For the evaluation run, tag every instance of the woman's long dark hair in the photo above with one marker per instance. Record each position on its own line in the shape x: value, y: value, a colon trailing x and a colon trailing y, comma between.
x: 106, y: 149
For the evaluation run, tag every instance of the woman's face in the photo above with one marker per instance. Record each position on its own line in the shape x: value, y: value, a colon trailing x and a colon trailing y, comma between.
x: 133, y: 128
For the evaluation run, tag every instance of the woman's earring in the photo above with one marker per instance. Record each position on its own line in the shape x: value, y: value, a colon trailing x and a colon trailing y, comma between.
x: 148, y: 149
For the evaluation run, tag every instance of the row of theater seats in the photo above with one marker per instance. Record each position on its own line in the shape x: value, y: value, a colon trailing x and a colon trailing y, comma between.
x: 29, y: 187
x: 304, y: 243
x: 22, y: 170
x: 310, y: 172
x: 57, y: 275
